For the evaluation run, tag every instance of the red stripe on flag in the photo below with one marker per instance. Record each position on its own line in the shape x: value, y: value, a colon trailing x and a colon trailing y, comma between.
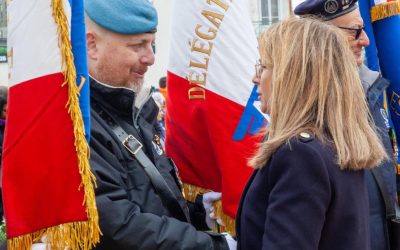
x: 39, y: 160
x: 199, y: 139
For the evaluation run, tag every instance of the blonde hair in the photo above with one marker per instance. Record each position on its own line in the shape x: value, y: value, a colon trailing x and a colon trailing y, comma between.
x: 316, y: 87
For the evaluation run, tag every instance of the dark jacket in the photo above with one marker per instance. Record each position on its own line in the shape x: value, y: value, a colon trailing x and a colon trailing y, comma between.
x: 132, y: 215
x: 302, y: 200
x: 374, y: 86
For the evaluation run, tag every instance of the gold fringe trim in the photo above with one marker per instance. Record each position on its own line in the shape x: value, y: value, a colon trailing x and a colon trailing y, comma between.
x: 392, y: 135
x: 385, y: 10
x: 229, y: 222
x: 395, y: 152
x: 396, y: 164
x: 82, y: 147
x: 74, y: 235
x: 190, y: 193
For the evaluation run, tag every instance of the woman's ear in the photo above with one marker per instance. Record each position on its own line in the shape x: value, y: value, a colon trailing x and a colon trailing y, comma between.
x: 91, y: 45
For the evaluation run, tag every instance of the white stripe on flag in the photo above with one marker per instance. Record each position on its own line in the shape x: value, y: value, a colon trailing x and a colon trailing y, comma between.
x: 34, y: 23
x: 234, y: 49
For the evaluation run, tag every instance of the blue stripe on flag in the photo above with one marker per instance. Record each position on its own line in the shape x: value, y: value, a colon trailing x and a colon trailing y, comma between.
x: 78, y: 38
x: 252, y: 121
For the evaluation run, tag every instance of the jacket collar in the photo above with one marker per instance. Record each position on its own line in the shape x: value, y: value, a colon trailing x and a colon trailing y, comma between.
x: 122, y: 101
x: 374, y: 85
x: 119, y: 98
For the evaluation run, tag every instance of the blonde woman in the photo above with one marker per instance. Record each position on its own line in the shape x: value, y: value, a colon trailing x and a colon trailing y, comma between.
x: 308, y: 189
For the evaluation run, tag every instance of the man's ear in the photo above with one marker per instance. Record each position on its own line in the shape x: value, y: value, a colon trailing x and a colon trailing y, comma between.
x: 91, y: 45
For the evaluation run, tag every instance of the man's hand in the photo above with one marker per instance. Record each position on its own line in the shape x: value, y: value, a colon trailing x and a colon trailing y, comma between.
x: 208, y: 203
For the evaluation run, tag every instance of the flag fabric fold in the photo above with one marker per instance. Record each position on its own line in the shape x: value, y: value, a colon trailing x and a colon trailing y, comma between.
x: 382, y: 18
x: 212, y: 112
x: 47, y: 182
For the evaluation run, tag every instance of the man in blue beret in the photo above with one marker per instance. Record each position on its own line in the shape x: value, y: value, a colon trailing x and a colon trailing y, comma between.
x: 346, y: 15
x: 138, y: 192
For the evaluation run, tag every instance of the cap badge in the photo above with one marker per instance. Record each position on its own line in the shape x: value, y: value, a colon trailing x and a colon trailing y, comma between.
x: 331, y: 6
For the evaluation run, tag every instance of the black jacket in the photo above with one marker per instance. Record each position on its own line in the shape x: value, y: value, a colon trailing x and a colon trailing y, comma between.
x: 374, y: 87
x: 131, y: 213
x: 301, y: 200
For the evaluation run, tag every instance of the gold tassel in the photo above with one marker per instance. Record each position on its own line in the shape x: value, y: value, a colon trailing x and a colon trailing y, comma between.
x: 385, y: 10
x: 190, y: 193
x: 73, y: 235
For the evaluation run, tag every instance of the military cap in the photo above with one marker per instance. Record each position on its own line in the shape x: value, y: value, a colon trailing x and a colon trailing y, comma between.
x: 326, y: 9
x: 123, y: 16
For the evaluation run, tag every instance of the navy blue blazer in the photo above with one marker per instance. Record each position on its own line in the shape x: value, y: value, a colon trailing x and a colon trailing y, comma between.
x: 301, y: 200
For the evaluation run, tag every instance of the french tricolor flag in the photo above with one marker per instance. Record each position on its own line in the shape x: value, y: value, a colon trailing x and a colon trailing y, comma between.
x: 47, y: 183
x: 212, y: 107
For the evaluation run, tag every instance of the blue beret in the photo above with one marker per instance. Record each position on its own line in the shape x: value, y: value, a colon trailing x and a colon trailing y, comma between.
x: 123, y: 16
x: 326, y: 9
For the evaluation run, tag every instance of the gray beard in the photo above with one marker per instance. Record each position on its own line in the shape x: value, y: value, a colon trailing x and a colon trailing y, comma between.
x: 102, y: 75
x: 137, y: 86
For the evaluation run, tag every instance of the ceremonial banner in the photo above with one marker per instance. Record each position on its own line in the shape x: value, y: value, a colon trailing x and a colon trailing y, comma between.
x: 47, y: 183
x: 212, y: 115
x: 371, y: 51
x: 385, y: 18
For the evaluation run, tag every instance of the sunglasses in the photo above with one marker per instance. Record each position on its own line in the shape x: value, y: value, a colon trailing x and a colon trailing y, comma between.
x: 357, y: 31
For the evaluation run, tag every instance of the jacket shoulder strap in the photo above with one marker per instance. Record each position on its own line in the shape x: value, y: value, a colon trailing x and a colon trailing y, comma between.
x: 135, y: 148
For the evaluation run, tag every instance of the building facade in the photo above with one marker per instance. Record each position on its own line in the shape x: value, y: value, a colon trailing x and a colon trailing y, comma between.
x: 3, y: 43
x: 3, y: 19
x: 267, y: 12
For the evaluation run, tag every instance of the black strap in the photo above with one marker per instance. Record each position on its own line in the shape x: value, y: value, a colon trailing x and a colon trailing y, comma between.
x: 135, y: 148
x: 390, y: 209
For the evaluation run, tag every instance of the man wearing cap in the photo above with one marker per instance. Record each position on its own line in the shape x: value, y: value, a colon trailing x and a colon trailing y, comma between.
x: 345, y: 15
x: 138, y: 191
